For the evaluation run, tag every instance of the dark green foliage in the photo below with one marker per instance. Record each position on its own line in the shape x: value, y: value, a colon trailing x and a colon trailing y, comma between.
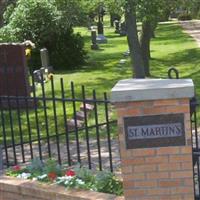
x: 41, y: 22
x: 66, y: 50
x: 52, y: 166
x: 106, y: 182
x: 36, y: 166
x: 184, y: 16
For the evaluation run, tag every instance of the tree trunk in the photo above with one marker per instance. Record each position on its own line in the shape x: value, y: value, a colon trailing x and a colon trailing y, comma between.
x: 153, y: 28
x: 145, y: 44
x: 133, y: 41
x: 111, y: 20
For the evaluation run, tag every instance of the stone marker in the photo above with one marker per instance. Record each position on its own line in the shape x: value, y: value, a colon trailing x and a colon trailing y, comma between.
x: 44, y: 57
x: 126, y: 53
x: 13, y: 73
x: 88, y: 107
x: 80, y: 115
x: 155, y: 138
x: 101, y: 39
x: 13, y: 70
x: 37, y: 76
x: 123, y: 29
x: 94, y: 45
x: 117, y: 26
x: 122, y: 61
x: 71, y: 124
x: 100, y: 28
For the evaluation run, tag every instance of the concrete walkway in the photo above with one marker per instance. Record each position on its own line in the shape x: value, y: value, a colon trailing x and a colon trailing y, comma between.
x: 192, y: 27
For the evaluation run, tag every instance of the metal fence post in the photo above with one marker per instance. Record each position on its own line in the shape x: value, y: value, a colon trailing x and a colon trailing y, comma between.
x: 1, y: 160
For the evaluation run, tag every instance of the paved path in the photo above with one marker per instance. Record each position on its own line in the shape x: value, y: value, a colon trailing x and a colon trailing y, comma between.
x: 192, y: 27
x: 73, y: 153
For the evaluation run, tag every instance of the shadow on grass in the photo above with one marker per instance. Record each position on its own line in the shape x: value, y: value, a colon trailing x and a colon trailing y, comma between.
x: 171, y: 33
x: 182, y: 57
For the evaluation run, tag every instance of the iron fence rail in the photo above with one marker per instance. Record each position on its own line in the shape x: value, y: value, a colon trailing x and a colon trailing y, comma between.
x: 38, y: 125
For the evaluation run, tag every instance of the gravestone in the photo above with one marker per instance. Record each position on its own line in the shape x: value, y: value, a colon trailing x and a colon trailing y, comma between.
x: 44, y: 55
x: 126, y: 53
x: 37, y: 76
x: 80, y: 115
x: 13, y: 71
x: 123, y: 29
x: 117, y: 27
x: 94, y: 45
x: 73, y: 124
x: 100, y: 28
x: 88, y: 107
x: 101, y: 39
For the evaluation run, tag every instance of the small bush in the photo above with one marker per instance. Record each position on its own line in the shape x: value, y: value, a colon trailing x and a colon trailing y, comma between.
x: 79, y: 177
x: 184, y: 16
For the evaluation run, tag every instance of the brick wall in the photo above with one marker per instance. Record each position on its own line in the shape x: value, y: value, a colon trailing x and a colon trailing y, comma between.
x: 17, y: 189
x: 162, y: 173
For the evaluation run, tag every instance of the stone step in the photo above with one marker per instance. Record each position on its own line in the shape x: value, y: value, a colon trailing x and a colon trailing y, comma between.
x: 71, y: 124
x: 80, y: 115
x: 88, y: 107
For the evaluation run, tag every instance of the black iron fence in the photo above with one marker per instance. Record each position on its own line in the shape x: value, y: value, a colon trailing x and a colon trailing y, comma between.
x: 196, y: 146
x: 194, y: 114
x: 67, y: 124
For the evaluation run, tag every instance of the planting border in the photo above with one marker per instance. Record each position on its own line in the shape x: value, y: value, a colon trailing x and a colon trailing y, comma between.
x: 14, y: 189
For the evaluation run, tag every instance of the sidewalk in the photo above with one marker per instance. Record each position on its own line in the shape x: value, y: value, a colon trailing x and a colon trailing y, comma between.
x: 192, y: 28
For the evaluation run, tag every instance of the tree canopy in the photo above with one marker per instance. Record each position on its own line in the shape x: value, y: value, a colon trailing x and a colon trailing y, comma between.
x: 48, y: 25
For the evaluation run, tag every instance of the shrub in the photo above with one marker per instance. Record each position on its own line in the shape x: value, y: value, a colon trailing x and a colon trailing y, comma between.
x: 184, y: 16
x: 41, y: 22
x: 79, y: 177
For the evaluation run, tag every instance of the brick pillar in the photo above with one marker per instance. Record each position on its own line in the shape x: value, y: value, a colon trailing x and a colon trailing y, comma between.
x: 155, y: 138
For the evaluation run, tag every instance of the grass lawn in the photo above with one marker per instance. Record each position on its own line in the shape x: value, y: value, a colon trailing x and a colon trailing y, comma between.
x: 171, y: 47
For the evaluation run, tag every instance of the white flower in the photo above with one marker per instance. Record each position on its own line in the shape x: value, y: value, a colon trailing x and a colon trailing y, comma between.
x: 64, y: 179
x: 24, y: 175
x: 42, y: 177
x: 66, y: 182
x: 80, y: 182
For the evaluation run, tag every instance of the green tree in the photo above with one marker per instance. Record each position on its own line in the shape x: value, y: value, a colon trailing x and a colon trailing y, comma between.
x: 42, y: 22
x: 72, y: 12
x: 3, y: 5
x: 149, y: 13
x: 115, y: 9
x: 133, y: 39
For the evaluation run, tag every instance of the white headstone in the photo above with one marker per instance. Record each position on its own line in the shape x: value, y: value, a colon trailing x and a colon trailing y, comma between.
x: 44, y: 57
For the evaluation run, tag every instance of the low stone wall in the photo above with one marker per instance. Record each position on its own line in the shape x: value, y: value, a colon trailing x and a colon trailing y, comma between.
x: 17, y: 189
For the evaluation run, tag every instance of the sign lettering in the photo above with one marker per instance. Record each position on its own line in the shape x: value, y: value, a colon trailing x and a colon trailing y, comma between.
x: 154, y: 131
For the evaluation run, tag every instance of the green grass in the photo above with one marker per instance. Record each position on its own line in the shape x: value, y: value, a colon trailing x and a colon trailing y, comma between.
x: 171, y: 47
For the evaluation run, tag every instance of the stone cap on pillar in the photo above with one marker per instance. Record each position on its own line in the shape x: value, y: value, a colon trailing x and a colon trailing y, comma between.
x: 151, y: 89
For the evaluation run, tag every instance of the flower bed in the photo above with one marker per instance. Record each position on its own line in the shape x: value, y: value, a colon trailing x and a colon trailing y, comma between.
x: 43, y: 176
x: 12, y: 188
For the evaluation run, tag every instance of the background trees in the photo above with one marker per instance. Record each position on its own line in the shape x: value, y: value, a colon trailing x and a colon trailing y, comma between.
x: 47, y: 24
x: 50, y: 24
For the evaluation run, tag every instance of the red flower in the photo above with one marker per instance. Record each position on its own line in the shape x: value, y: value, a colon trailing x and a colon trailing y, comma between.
x: 52, y: 176
x: 16, y: 168
x: 70, y: 173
